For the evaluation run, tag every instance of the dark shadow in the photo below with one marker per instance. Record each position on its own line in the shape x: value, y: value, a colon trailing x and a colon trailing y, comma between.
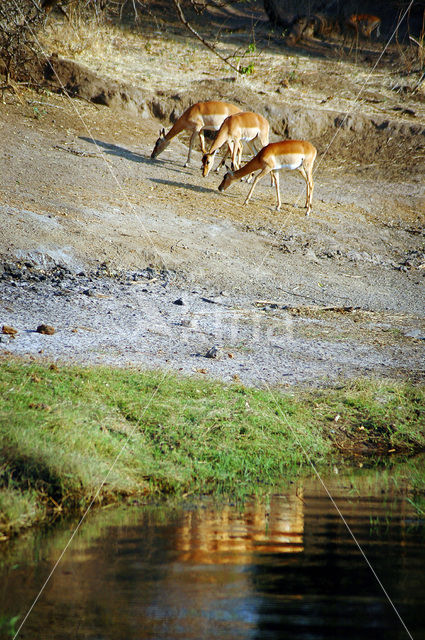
x: 184, y: 185
x: 115, y: 150
x: 121, y: 152
x: 332, y: 50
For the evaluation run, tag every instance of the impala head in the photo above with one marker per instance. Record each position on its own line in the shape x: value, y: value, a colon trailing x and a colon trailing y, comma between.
x: 160, y: 144
x: 207, y: 163
x: 227, y: 181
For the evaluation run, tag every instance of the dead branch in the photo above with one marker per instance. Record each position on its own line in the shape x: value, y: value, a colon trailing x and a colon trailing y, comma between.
x: 197, y: 35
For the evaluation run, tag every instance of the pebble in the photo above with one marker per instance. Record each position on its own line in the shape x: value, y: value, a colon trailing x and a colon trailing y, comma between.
x: 46, y: 329
x: 10, y: 331
x: 214, y: 352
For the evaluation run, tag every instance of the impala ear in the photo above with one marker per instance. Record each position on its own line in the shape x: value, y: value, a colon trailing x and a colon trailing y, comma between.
x: 162, y: 132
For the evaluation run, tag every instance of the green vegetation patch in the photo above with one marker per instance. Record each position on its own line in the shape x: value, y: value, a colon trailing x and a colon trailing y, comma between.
x: 72, y: 435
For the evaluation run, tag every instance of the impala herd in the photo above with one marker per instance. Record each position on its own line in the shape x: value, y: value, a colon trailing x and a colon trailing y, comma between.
x: 235, y: 127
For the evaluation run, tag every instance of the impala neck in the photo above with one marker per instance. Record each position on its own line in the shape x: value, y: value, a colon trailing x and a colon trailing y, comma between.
x: 250, y: 167
x: 218, y: 143
x: 175, y: 130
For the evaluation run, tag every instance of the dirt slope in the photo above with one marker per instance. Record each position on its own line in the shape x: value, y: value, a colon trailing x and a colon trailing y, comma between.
x: 79, y: 190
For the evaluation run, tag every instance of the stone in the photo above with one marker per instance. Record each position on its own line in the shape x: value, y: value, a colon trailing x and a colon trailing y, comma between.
x: 45, y: 329
x: 10, y: 331
x: 214, y: 352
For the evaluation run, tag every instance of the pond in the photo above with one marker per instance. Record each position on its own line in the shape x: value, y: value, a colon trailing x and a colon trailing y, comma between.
x: 283, y: 566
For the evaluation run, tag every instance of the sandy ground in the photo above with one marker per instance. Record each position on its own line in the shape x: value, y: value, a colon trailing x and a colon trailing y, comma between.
x: 285, y: 298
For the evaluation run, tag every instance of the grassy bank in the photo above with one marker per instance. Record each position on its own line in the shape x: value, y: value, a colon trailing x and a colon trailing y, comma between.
x: 70, y: 434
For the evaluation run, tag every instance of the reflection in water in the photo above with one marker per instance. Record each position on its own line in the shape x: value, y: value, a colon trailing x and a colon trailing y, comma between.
x: 285, y: 567
x: 211, y: 536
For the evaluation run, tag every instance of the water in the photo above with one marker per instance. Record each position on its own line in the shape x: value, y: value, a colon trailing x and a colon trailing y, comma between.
x: 283, y: 568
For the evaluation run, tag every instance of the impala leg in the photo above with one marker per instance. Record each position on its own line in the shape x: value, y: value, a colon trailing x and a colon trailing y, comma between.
x: 240, y: 146
x: 253, y: 151
x: 192, y: 140
x: 223, y: 159
x: 303, y: 172
x: 235, y: 151
x: 202, y: 141
x: 307, y: 174
x: 258, y: 177
x: 310, y: 183
x: 310, y: 203
x: 252, y: 147
x: 275, y: 178
x: 251, y: 175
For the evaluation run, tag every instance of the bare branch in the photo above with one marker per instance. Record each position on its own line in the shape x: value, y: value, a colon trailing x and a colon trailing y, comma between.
x: 197, y: 35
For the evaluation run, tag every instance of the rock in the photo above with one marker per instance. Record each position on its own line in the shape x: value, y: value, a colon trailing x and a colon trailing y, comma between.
x: 45, y: 329
x: 214, y: 352
x: 148, y: 273
x: 10, y: 331
x: 179, y: 302
x: 309, y: 253
x: 417, y: 334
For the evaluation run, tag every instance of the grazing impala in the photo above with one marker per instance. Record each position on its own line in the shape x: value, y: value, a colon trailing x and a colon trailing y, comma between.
x: 197, y: 118
x: 237, y: 128
x: 287, y: 154
x: 362, y: 24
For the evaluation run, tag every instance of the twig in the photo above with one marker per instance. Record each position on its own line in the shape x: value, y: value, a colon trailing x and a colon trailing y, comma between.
x: 82, y: 154
x: 197, y: 35
x: 418, y: 84
x: 11, y: 86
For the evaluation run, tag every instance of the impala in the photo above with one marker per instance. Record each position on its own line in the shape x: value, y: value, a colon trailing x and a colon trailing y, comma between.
x: 197, y: 118
x: 287, y: 154
x: 362, y: 24
x: 245, y: 126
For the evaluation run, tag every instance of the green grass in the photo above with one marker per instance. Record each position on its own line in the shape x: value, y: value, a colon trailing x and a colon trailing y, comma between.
x: 70, y: 435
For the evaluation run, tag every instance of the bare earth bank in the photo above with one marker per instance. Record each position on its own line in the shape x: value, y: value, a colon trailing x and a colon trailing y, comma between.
x: 144, y: 263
